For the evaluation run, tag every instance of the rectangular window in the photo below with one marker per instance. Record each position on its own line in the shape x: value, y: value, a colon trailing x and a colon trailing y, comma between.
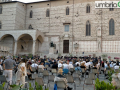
x: 66, y: 28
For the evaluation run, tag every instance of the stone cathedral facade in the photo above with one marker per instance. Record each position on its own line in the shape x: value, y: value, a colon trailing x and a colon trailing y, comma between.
x: 74, y: 26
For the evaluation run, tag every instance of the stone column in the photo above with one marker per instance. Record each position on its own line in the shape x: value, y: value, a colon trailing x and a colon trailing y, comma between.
x: 33, y: 50
x: 15, y: 48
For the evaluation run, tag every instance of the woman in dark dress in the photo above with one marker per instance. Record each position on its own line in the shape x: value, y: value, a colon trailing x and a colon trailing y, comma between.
x: 29, y: 71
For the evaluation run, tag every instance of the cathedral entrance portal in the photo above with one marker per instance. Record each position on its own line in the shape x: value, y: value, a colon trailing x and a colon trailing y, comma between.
x: 66, y: 46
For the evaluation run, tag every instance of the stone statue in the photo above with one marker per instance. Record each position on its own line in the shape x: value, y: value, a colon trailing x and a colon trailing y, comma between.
x: 51, y: 44
x: 99, y: 44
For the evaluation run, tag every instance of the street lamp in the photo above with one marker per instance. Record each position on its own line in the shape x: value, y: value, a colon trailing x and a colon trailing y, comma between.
x: 76, y: 45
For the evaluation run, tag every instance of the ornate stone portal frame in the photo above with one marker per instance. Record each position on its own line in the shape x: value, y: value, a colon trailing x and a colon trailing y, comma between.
x: 63, y: 37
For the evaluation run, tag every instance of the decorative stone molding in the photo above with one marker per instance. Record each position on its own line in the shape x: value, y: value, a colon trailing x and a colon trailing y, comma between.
x: 66, y: 36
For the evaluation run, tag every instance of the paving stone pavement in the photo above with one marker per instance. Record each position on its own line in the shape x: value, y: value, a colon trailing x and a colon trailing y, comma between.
x: 79, y: 86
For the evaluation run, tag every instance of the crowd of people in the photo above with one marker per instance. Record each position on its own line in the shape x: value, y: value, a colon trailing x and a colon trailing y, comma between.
x: 24, y: 66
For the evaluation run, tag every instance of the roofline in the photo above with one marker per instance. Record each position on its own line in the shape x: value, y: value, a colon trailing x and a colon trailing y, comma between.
x: 42, y: 1
x: 11, y: 2
x: 28, y: 2
x: 38, y: 2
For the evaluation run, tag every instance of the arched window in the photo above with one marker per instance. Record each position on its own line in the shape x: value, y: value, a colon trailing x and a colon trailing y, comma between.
x: 0, y: 25
x: 47, y: 13
x: 31, y: 14
x: 88, y: 8
x: 67, y: 11
x: 88, y: 28
x: 0, y: 9
x: 111, y: 27
x: 30, y: 27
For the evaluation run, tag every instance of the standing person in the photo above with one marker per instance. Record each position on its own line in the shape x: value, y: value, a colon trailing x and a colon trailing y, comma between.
x: 8, y: 66
x: 21, y: 73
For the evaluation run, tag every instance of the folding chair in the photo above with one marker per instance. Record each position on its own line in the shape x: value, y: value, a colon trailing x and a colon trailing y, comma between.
x: 92, y: 76
x: 54, y: 71
x: 49, y: 69
x: 3, y: 79
x: 33, y: 69
x: 83, y: 71
x: 60, y: 85
x: 46, y: 66
x: 71, y: 70
x: 40, y: 70
x: 70, y: 80
x: 40, y: 81
x: 88, y: 81
x: 76, y: 76
x: 51, y: 79
x: 95, y: 71
x: 45, y: 73
x: 112, y: 68
x: 117, y: 70
x: 78, y: 72
x: 106, y: 72
x: 34, y: 76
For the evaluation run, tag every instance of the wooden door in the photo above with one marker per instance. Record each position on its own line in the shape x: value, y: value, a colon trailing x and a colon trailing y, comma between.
x: 66, y: 46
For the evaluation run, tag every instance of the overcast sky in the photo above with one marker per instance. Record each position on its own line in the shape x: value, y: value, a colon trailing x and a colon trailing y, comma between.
x: 29, y: 0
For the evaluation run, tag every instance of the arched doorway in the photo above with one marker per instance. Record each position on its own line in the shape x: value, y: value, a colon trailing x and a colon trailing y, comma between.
x: 38, y: 45
x: 7, y: 40
x: 24, y: 44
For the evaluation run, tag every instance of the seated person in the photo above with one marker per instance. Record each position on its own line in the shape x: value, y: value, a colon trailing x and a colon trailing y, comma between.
x: 60, y: 65
x: 65, y: 68
x: 107, y: 68
x: 116, y: 66
x: 47, y: 63
x: 84, y: 67
x: 60, y: 77
x: 35, y: 65
x: 95, y: 67
x: 55, y: 65
x: 41, y: 65
x: 78, y: 68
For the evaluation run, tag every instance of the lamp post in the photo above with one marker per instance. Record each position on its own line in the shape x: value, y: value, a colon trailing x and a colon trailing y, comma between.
x: 76, y: 46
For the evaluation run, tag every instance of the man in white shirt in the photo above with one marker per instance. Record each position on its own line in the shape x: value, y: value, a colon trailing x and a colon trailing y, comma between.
x: 41, y: 65
x: 77, y: 63
x: 65, y: 66
x: 70, y: 66
x: 34, y: 65
x: 111, y: 64
x: 87, y: 65
x: 60, y: 65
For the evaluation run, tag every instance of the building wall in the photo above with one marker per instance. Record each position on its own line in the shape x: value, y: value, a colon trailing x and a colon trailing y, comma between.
x: 53, y: 26
x: 20, y: 16
x: 8, y: 16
